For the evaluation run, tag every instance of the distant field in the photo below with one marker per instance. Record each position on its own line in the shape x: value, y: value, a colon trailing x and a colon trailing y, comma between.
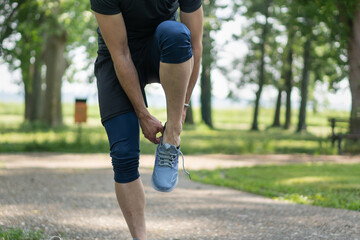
x: 231, y: 134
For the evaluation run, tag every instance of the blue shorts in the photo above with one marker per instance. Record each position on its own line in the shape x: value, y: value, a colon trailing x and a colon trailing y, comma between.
x: 171, y: 43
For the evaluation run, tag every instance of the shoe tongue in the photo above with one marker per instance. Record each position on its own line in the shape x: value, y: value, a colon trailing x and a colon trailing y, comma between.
x: 170, y: 148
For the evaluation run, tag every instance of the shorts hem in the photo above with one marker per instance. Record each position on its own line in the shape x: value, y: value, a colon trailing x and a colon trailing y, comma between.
x: 104, y: 119
x: 179, y: 60
x: 129, y: 180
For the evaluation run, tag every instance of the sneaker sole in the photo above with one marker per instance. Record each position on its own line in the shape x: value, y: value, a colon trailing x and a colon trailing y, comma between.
x: 163, y: 190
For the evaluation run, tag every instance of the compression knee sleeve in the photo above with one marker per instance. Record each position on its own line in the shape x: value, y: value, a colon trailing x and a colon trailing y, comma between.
x: 173, y: 42
x: 123, y: 134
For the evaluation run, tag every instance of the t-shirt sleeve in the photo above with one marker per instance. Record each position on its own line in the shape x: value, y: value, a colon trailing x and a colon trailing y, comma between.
x: 189, y: 6
x: 106, y: 7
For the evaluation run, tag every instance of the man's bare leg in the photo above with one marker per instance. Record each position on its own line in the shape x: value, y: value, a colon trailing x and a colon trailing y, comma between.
x: 174, y: 79
x: 131, y: 198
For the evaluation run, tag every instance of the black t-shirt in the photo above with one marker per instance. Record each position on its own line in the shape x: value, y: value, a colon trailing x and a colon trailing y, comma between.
x: 141, y: 17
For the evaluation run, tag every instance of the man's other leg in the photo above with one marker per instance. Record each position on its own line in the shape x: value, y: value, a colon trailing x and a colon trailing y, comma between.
x: 173, y: 42
x: 174, y: 80
x: 123, y: 134
x: 131, y: 199
x: 172, y: 46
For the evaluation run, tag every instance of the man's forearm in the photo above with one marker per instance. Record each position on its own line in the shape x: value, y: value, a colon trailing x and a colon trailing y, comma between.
x: 197, y: 52
x: 129, y: 80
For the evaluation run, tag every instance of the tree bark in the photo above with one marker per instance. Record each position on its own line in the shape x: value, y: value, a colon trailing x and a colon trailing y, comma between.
x: 27, y: 99
x: 36, y: 96
x: 261, y: 68
x: 27, y: 72
x: 56, y: 65
x: 205, y: 78
x: 205, y: 98
x: 288, y: 78
x: 304, y: 86
x: 354, y: 64
x: 189, y: 119
x: 276, y: 122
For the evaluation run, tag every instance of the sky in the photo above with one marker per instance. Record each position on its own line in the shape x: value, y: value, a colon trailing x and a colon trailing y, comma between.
x: 11, y: 88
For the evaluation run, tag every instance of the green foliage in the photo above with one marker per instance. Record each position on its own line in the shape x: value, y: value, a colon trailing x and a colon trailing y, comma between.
x: 317, y: 19
x: 260, y: 23
x: 338, y: 15
x: 328, y: 185
x: 29, y: 23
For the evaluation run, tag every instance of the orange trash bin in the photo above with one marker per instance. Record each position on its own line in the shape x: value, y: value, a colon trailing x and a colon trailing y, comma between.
x: 80, y: 110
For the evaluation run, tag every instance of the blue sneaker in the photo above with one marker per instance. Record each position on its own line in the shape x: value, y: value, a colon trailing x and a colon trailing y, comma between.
x: 165, y: 174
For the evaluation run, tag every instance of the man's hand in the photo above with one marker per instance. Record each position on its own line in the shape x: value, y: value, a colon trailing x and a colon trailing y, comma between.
x: 150, y: 126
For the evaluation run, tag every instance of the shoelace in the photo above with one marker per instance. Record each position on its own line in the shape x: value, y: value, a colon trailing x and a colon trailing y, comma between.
x: 168, y: 160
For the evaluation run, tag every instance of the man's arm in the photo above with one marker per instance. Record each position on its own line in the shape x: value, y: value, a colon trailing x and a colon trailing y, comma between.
x: 194, y: 22
x: 113, y: 30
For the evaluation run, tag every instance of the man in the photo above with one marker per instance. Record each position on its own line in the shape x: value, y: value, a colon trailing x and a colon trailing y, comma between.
x: 141, y: 42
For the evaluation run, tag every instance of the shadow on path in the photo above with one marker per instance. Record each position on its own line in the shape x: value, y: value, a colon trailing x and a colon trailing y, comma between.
x: 81, y: 203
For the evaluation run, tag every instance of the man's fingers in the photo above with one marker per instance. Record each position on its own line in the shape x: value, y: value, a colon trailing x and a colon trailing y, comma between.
x: 157, y: 139
x: 160, y: 129
x: 152, y: 139
x: 151, y: 129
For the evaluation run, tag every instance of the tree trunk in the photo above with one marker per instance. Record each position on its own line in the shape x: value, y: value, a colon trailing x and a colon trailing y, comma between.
x: 27, y: 73
x: 354, y: 63
x: 205, y: 97
x: 205, y: 78
x: 189, y: 119
x: 56, y: 65
x: 288, y: 78
x: 262, y: 67
x: 33, y: 93
x: 254, y: 125
x: 36, y: 96
x: 27, y: 96
x: 304, y: 86
x: 276, y: 122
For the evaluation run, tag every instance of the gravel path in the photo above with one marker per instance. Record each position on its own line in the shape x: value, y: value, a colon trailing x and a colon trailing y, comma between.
x: 55, y: 193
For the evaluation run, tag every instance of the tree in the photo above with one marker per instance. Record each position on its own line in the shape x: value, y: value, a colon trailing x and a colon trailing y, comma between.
x: 208, y: 61
x: 354, y: 60
x: 288, y: 75
x: 321, y: 56
x: 26, y: 57
x: 46, y: 33
x: 288, y: 17
x: 205, y: 78
x: 286, y: 81
x: 305, y: 83
x: 307, y: 40
x: 343, y: 19
x: 261, y: 65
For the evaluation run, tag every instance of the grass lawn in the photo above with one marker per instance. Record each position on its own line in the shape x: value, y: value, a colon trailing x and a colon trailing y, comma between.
x: 19, y: 234
x: 231, y: 134
x: 328, y: 185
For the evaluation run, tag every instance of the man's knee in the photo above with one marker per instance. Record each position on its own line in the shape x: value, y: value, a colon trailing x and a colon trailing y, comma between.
x: 125, y: 161
x: 174, y: 40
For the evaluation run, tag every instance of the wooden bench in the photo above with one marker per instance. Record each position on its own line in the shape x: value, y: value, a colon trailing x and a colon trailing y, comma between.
x: 348, y: 129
